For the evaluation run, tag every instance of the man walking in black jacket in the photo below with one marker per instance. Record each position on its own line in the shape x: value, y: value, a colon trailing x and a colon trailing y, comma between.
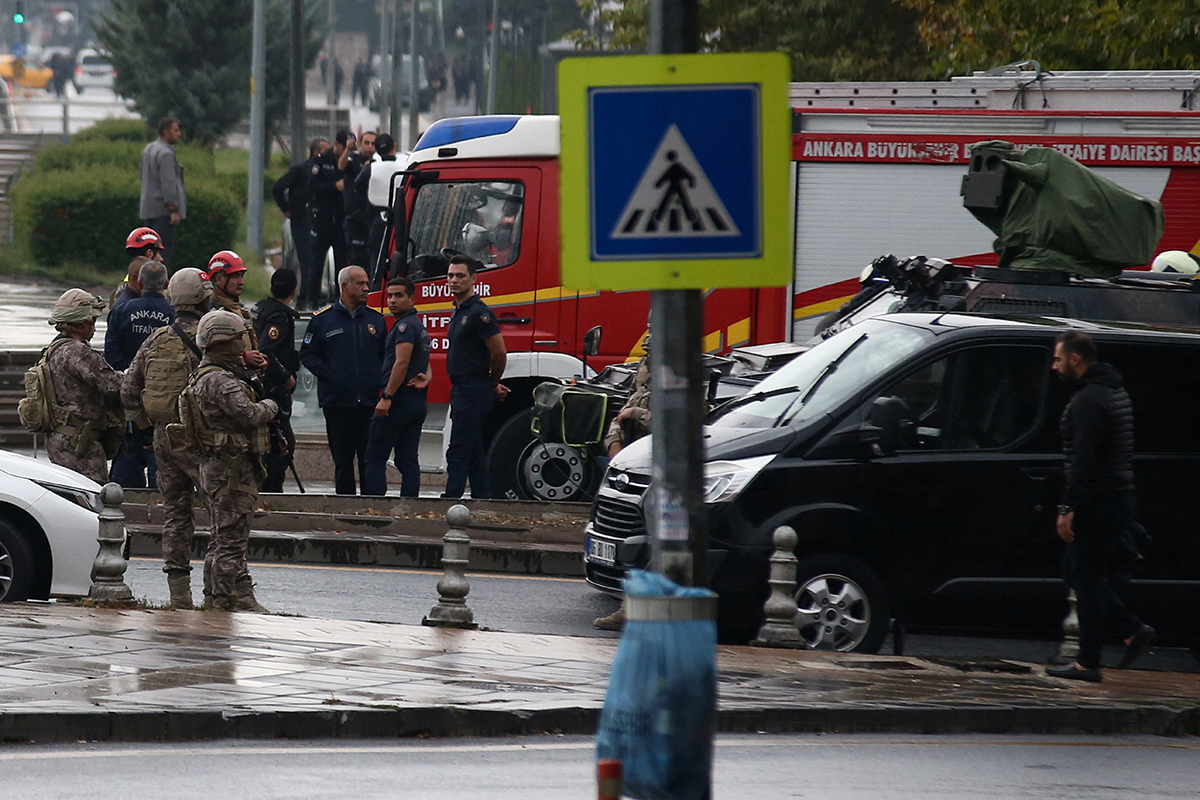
x: 1098, y: 505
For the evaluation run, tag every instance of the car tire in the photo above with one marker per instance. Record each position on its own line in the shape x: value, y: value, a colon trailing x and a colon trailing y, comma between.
x: 842, y: 605
x: 521, y: 467
x: 17, y: 564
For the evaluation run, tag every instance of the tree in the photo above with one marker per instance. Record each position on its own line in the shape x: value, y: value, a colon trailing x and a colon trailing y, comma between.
x: 192, y: 60
x: 1065, y: 34
x: 825, y: 39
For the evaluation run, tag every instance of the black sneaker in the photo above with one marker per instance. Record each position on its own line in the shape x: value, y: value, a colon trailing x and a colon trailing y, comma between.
x: 1074, y: 672
x: 1137, y: 645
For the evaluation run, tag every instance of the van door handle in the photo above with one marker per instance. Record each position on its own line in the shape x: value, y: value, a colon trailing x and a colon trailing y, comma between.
x: 546, y: 342
x: 514, y: 320
x: 1040, y: 473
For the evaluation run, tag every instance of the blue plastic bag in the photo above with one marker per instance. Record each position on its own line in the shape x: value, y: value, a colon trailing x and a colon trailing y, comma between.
x: 660, y: 710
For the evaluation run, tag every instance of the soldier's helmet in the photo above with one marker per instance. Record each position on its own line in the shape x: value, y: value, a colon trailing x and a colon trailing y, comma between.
x: 76, y: 305
x: 219, y: 326
x: 189, y: 287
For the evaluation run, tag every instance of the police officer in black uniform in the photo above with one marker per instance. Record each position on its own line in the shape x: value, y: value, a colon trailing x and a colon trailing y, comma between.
x: 343, y: 347
x: 385, y: 148
x: 291, y: 195
x: 357, y: 224
x: 275, y: 327
x: 325, y: 215
x: 475, y: 364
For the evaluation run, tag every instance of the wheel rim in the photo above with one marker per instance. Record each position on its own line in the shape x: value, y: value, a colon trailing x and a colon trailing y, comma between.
x: 6, y: 571
x: 552, y: 471
x: 833, y: 613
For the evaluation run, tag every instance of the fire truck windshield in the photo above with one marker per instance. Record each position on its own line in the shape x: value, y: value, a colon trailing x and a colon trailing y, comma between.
x: 481, y: 219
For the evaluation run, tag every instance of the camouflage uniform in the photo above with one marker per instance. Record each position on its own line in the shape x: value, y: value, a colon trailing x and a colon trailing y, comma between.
x: 229, y: 469
x: 178, y: 470
x: 88, y: 388
x: 229, y: 304
x: 639, y: 401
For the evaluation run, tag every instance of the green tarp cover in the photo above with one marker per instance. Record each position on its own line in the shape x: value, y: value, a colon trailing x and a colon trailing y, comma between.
x: 1062, y: 216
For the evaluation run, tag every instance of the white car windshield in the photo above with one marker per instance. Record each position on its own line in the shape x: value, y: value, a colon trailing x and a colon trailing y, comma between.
x: 817, y: 381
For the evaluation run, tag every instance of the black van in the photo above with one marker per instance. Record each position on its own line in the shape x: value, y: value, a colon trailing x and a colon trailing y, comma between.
x: 918, y: 458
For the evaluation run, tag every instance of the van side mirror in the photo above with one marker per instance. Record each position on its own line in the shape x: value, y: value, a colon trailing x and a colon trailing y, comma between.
x: 591, y: 340
x: 882, y: 429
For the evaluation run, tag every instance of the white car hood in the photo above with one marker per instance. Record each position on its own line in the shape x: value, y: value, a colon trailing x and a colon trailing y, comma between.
x: 20, y: 466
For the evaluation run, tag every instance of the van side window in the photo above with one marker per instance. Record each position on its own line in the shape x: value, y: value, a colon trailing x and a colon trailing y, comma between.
x: 1163, y: 382
x: 983, y: 398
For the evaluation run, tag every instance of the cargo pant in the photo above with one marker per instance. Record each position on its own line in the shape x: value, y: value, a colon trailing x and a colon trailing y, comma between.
x: 231, y: 486
x: 178, y: 481
x: 61, y: 449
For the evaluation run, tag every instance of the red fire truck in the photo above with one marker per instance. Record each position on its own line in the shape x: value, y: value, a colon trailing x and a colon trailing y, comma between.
x: 876, y: 169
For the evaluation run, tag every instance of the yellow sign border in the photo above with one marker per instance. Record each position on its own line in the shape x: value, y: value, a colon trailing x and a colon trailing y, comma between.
x: 771, y: 72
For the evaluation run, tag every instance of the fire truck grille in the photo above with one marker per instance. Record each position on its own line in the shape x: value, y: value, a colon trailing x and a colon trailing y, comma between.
x: 617, y: 519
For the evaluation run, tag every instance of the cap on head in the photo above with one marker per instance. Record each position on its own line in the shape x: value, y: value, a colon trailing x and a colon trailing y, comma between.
x: 384, y: 144
x: 189, y: 287
x: 74, y: 306
x: 140, y: 238
x: 225, y: 261
x: 219, y: 326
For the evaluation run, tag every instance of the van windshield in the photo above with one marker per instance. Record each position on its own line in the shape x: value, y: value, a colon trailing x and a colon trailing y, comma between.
x: 819, y: 380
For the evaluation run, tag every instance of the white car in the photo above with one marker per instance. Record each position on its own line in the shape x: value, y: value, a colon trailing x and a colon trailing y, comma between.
x: 49, y: 520
x: 93, y: 69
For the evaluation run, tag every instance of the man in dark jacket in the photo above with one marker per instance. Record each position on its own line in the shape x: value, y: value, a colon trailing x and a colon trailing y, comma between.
x: 1096, y: 517
x: 343, y: 347
x: 358, y: 223
x: 325, y: 215
x: 291, y: 195
x: 385, y: 147
x: 275, y: 327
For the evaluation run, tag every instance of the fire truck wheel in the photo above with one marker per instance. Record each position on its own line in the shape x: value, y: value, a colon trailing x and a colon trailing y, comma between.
x: 521, y: 467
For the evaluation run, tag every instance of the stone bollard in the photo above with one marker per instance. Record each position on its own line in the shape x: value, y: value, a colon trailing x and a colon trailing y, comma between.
x: 780, y: 628
x: 451, y: 610
x: 1069, y: 650
x: 108, y: 571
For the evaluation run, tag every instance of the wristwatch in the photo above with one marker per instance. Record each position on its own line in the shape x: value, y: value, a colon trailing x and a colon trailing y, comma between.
x: 1063, y: 510
x: 387, y: 396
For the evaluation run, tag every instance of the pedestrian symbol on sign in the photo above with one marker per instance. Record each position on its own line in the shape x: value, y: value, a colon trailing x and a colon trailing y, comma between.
x: 674, y: 198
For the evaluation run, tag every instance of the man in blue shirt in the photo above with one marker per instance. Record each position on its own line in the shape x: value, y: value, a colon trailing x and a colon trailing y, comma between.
x: 400, y: 411
x: 344, y: 349
x: 475, y: 364
x: 130, y: 324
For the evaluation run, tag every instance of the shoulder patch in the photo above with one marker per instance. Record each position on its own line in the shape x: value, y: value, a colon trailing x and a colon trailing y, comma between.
x: 273, y: 332
x: 315, y: 169
x: 371, y: 328
x: 486, y: 318
x: 403, y: 326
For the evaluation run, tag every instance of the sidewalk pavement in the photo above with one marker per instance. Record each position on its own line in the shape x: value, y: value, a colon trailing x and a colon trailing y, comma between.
x: 71, y: 673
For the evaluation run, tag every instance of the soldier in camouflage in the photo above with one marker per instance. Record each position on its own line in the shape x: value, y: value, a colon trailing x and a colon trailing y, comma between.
x: 85, y: 386
x: 230, y: 424
x: 150, y: 394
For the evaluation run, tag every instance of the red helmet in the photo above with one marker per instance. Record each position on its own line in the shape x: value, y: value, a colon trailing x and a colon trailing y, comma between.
x: 141, y: 238
x: 225, y: 261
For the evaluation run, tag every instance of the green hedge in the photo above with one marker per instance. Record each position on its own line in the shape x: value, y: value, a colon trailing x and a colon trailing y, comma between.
x: 239, y: 183
x: 196, y: 161
x: 83, y: 216
x: 115, y: 130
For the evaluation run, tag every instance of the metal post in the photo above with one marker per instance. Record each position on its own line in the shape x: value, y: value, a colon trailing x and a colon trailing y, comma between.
x: 258, y: 125
x: 331, y: 72
x: 678, y: 526
x: 299, y: 135
x: 385, y: 65
x: 66, y: 131
x: 414, y: 104
x: 108, y: 570
x: 451, y: 610
x: 493, y: 58
x: 397, y: 72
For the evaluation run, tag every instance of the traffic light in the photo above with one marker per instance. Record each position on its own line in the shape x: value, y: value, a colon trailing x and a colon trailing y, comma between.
x: 19, y: 11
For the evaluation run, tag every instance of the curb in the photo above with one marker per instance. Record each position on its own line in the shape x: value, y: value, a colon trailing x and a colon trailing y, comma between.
x: 449, y: 722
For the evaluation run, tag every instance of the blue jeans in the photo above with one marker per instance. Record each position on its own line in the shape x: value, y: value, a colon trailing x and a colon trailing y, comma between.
x: 466, y: 457
x: 398, y: 432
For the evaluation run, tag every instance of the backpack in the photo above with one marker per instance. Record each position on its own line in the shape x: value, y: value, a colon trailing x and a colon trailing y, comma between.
x: 39, y: 410
x: 190, y: 432
x: 168, y: 367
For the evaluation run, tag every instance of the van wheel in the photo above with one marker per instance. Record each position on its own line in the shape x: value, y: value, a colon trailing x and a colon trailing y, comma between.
x: 521, y: 467
x: 842, y: 605
x: 17, y: 564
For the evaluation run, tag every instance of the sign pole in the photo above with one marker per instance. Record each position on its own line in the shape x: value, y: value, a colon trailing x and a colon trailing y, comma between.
x: 677, y: 521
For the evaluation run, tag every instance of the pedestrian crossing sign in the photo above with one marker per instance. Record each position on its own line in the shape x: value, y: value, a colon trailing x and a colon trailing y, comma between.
x: 674, y: 171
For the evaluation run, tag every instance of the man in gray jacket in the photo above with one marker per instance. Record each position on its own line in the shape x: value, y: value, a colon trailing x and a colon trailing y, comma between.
x: 163, y: 203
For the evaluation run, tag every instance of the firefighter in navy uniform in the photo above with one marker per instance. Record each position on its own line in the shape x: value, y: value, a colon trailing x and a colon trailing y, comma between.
x: 326, y: 212
x: 275, y: 326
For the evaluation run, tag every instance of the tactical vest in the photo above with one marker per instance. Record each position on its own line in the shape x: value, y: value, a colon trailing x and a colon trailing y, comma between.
x: 169, y: 365
x: 192, y: 432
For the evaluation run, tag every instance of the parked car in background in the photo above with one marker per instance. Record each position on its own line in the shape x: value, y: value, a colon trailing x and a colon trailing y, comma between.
x: 26, y: 73
x: 93, y: 70
x: 48, y: 527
